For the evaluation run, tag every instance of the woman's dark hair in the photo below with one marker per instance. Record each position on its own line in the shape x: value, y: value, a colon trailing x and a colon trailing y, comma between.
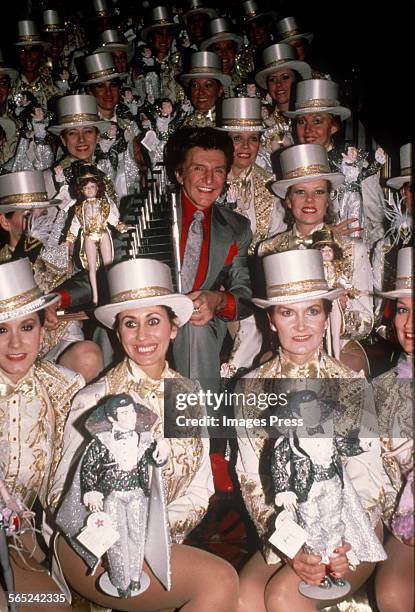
x: 184, y: 139
x: 289, y: 219
x: 327, y: 307
x: 171, y: 315
x: 41, y: 315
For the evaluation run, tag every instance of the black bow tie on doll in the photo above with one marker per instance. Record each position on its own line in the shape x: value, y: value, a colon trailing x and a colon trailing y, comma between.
x: 312, y: 431
x: 123, y: 435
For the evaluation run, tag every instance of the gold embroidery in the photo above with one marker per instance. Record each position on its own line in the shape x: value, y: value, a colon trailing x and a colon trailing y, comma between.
x: 18, y: 301
x: 133, y: 294
x: 306, y: 170
x: 25, y: 198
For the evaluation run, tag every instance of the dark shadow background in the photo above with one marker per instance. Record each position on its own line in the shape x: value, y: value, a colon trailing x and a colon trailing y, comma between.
x: 366, y: 46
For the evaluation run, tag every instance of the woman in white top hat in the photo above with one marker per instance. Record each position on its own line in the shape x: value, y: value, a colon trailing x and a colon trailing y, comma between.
x: 29, y: 218
x: 298, y: 302
x: 281, y: 71
x: 394, y: 404
x: 317, y: 118
x: 205, y: 83
x: 146, y: 315
x: 248, y: 195
x: 306, y: 185
x: 35, y: 399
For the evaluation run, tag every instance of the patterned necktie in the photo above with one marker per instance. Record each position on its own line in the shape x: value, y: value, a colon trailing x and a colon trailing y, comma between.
x: 192, y: 252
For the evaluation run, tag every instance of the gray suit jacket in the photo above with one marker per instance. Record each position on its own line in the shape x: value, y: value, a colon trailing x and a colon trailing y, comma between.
x: 196, y: 350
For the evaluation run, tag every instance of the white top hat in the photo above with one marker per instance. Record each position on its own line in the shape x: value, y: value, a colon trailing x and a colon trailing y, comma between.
x: 140, y: 283
x: 404, y: 276
x: 239, y: 115
x: 301, y: 164
x: 28, y: 34
x: 52, y: 22
x: 405, y: 157
x: 24, y: 191
x: 100, y: 9
x: 19, y: 294
x: 204, y: 65
x: 11, y: 72
x: 295, y: 276
x: 99, y: 67
x: 160, y: 17
x: 252, y: 10
x: 113, y: 40
x: 318, y: 96
x: 220, y: 29
x: 281, y: 57
x: 289, y: 29
x: 76, y: 111
x: 198, y: 6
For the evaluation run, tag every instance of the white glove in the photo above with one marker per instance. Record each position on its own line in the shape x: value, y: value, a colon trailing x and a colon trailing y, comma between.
x: 288, y: 500
x: 94, y: 501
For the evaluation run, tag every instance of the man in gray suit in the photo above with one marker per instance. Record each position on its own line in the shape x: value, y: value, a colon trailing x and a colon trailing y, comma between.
x: 198, y: 161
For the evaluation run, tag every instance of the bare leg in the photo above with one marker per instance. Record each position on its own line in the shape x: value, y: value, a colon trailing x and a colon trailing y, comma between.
x: 106, y: 249
x: 91, y: 255
x: 394, y: 581
x: 201, y: 582
x: 35, y: 580
x: 253, y: 580
x: 84, y: 357
x: 282, y: 592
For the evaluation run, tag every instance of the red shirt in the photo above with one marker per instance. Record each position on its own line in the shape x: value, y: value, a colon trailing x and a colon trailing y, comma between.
x: 188, y: 210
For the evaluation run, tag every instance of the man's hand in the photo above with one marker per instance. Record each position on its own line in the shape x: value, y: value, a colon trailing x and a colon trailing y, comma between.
x: 347, y: 227
x: 51, y: 318
x: 308, y: 567
x: 206, y: 304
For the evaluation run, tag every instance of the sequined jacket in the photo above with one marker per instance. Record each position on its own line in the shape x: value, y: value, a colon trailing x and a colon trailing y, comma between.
x: 187, y: 474
x: 394, y: 406
x: 32, y: 418
x: 355, y: 270
x: 254, y: 456
x: 288, y: 450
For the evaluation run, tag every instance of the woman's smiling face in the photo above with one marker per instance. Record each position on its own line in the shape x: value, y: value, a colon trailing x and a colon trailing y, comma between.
x: 145, y: 334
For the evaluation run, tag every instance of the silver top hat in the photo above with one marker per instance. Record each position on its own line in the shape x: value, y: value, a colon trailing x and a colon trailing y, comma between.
x: 52, y: 22
x: 205, y: 65
x: 220, y: 29
x: 11, y: 72
x: 100, y: 9
x: 76, y: 111
x: 99, y: 67
x: 239, y: 115
x: 113, y: 39
x: 141, y: 283
x: 280, y: 57
x: 404, y: 275
x: 28, y: 34
x: 318, y: 96
x: 19, y: 294
x: 405, y: 158
x: 303, y: 163
x: 252, y: 10
x: 289, y: 29
x: 24, y: 191
x: 160, y: 17
x: 197, y: 6
x: 295, y: 276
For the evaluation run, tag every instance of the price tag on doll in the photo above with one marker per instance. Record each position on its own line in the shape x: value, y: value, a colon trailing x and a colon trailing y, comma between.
x: 288, y: 536
x: 99, y: 534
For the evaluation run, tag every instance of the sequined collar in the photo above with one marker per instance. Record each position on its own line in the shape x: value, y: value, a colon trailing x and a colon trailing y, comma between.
x: 311, y: 369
